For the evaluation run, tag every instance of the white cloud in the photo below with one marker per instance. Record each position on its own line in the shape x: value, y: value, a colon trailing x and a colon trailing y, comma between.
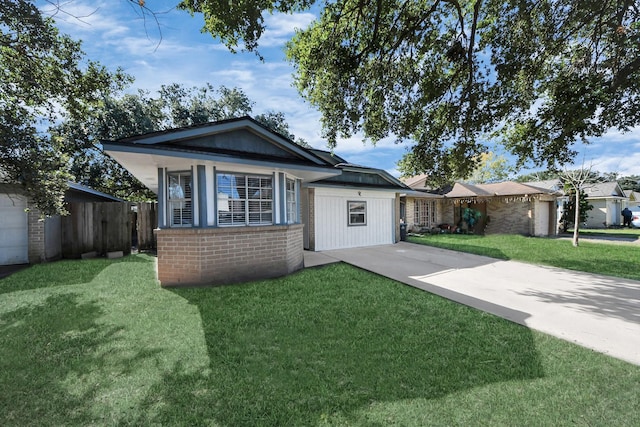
x: 85, y: 19
x: 280, y: 27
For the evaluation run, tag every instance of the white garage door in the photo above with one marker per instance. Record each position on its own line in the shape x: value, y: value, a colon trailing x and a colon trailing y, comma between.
x: 14, y: 242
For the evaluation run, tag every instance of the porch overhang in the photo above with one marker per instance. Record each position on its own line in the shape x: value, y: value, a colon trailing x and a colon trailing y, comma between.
x: 143, y: 163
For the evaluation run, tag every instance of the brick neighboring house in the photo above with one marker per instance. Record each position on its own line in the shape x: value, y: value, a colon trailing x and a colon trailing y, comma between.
x: 505, y: 207
x: 27, y: 238
x: 237, y: 201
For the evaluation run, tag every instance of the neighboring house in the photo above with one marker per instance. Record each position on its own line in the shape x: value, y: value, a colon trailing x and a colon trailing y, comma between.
x: 608, y: 200
x: 633, y: 199
x: 237, y: 201
x: 26, y: 238
x: 505, y: 207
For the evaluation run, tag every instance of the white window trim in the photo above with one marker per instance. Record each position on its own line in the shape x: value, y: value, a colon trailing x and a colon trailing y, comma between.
x: 246, y: 200
x: 183, y: 200
x: 349, y: 213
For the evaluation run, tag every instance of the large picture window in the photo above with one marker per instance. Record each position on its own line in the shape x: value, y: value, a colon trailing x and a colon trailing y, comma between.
x: 292, y: 206
x: 244, y: 199
x: 179, y: 203
x: 357, y: 212
x: 425, y: 213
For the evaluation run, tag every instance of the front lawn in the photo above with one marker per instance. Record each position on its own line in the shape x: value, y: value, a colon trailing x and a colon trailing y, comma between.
x: 97, y: 342
x: 609, y: 259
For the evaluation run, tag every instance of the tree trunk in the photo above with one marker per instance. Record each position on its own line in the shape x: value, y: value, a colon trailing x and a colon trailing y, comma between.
x: 576, y: 220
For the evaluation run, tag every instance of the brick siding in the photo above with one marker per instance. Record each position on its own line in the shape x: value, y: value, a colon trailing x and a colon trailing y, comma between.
x: 199, y: 256
x: 510, y: 218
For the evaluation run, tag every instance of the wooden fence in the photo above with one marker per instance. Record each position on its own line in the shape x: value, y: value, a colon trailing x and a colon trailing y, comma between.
x: 101, y: 226
x: 146, y: 222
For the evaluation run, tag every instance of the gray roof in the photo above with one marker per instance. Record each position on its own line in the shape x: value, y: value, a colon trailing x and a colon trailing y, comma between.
x: 604, y: 190
x: 498, y: 189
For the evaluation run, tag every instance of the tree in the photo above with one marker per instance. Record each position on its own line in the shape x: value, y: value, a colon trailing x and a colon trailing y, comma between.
x: 631, y: 182
x: 569, y: 212
x: 44, y: 77
x: 117, y: 117
x: 538, y: 176
x: 448, y: 75
x: 277, y: 123
x: 491, y: 168
x: 574, y: 185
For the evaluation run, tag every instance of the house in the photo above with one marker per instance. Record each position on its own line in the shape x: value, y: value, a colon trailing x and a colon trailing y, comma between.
x: 608, y: 200
x: 633, y: 199
x: 237, y: 201
x: 26, y: 238
x: 505, y: 207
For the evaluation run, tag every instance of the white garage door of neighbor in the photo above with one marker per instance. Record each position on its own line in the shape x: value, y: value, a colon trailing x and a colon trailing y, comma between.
x: 14, y: 243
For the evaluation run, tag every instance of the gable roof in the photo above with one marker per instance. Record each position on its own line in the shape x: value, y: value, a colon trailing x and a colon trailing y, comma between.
x: 417, y: 182
x: 226, y: 143
x: 83, y: 191
x: 498, y: 189
x: 549, y: 184
x: 361, y: 176
x: 604, y: 190
x: 634, y: 196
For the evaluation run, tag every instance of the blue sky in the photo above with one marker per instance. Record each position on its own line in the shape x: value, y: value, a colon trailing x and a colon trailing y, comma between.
x: 175, y: 51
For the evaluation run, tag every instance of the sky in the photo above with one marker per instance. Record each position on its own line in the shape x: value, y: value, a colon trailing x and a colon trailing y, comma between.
x: 175, y: 50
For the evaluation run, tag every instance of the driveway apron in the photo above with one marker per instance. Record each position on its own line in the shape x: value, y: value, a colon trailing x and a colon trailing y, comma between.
x: 598, y: 312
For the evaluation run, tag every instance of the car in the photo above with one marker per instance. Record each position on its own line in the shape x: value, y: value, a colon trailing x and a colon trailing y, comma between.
x: 635, y: 218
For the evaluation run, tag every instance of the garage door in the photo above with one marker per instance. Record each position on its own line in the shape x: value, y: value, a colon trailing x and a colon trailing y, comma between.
x: 13, y: 230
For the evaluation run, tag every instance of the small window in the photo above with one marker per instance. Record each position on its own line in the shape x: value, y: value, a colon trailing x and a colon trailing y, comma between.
x: 292, y: 207
x: 357, y: 213
x: 179, y: 203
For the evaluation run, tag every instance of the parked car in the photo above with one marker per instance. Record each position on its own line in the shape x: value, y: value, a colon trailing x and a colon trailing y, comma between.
x: 635, y: 217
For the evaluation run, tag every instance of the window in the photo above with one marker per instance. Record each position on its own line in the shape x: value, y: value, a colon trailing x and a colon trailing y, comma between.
x: 292, y: 207
x: 244, y: 199
x: 357, y: 213
x: 179, y: 203
x: 425, y: 213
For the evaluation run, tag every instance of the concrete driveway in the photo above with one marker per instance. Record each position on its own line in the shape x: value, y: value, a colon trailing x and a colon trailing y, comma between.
x: 597, y: 312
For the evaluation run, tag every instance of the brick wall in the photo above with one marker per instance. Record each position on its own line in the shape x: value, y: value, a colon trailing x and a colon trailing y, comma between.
x: 510, y: 218
x: 197, y: 256
x: 36, y: 235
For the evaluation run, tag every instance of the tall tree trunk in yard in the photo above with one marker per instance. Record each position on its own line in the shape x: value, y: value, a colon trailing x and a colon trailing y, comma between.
x: 577, y: 218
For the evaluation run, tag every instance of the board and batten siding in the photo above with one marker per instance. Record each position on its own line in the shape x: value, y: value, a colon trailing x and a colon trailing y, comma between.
x: 331, y: 219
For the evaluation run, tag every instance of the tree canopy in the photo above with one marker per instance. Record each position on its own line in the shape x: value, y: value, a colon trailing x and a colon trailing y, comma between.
x: 449, y: 76
x: 43, y: 78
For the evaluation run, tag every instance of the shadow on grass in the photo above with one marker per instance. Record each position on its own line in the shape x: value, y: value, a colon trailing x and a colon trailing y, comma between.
x: 44, y: 346
x: 61, y: 273
x: 329, y: 342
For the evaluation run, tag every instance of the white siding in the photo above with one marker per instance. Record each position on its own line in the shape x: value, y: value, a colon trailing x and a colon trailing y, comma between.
x: 542, y: 218
x: 331, y: 221
x: 14, y: 243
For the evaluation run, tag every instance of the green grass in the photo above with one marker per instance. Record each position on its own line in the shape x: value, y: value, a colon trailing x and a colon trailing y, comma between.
x: 626, y: 233
x: 326, y: 346
x: 593, y: 257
